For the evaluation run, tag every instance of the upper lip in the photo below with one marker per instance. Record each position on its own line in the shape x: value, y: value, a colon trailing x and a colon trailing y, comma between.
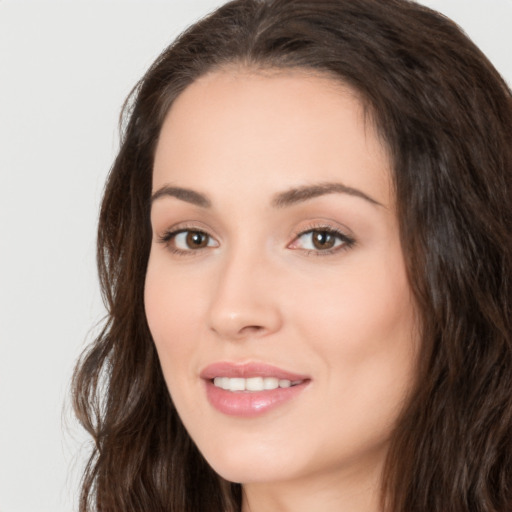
x: 247, y: 370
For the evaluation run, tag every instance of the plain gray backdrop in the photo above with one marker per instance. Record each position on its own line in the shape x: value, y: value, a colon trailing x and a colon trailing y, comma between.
x: 65, y: 69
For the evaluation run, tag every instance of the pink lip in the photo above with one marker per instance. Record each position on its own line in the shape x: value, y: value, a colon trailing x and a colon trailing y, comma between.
x: 249, y: 403
x: 246, y: 370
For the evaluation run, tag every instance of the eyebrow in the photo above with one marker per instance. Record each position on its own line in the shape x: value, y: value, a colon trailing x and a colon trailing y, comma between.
x: 184, y: 194
x: 280, y: 200
x: 300, y: 194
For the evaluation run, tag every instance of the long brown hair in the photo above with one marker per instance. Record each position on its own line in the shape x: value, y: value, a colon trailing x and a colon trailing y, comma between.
x: 445, y: 115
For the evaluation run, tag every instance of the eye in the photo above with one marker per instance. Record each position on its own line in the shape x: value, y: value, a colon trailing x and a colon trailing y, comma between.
x: 326, y: 240
x: 187, y: 240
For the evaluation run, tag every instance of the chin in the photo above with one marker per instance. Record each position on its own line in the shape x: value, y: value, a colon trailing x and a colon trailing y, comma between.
x: 292, y: 456
x: 253, y: 462
x: 253, y: 471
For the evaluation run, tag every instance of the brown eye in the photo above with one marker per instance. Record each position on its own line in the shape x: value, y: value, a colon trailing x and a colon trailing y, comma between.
x: 188, y: 240
x: 323, y: 240
x: 196, y: 239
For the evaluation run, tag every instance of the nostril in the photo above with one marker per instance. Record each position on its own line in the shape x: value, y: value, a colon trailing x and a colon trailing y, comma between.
x: 237, y: 332
x: 251, y: 329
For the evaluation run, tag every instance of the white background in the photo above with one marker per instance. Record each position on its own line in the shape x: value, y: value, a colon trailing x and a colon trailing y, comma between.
x: 65, y: 69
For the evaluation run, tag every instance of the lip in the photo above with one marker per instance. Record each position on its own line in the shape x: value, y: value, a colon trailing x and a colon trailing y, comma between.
x: 247, y: 370
x: 244, y: 403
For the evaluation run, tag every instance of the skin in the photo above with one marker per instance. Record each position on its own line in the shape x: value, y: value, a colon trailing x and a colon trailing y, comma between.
x: 261, y: 291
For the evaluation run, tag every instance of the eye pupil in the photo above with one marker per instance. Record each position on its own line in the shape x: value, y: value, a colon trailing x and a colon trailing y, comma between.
x: 196, y: 239
x: 323, y: 240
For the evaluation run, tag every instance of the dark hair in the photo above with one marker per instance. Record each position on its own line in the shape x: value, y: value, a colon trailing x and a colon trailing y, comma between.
x: 445, y: 115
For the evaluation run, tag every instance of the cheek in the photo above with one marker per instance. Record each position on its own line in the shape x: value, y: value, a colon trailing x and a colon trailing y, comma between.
x: 362, y: 325
x: 359, y: 307
x: 171, y: 296
x: 172, y: 311
x: 172, y: 304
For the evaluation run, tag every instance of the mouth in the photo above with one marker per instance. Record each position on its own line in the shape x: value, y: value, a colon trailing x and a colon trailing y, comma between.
x: 250, y: 389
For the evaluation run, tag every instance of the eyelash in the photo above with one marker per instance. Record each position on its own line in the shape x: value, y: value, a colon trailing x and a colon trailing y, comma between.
x: 169, y: 236
x: 347, y: 242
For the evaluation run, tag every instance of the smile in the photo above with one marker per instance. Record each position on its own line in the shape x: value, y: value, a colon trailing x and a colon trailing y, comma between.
x: 250, y: 389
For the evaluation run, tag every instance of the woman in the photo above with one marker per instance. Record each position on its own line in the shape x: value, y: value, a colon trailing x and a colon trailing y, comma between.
x: 305, y: 249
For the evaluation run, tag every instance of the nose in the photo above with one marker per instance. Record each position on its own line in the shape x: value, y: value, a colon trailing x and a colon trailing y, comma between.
x: 244, y: 302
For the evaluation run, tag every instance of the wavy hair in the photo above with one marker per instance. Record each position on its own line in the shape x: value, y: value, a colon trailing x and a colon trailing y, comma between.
x: 445, y: 115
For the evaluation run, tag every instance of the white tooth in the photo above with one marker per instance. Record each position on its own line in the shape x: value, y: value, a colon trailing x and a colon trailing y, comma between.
x: 270, y: 383
x: 237, y: 384
x: 254, y: 384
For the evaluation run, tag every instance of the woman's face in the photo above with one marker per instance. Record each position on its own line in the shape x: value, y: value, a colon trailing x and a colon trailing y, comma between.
x: 276, y: 261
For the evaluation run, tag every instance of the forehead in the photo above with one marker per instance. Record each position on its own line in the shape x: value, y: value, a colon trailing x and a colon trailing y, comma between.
x: 285, y: 128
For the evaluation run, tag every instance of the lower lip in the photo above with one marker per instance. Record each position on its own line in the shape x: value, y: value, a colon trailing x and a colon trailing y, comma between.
x: 248, y: 404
